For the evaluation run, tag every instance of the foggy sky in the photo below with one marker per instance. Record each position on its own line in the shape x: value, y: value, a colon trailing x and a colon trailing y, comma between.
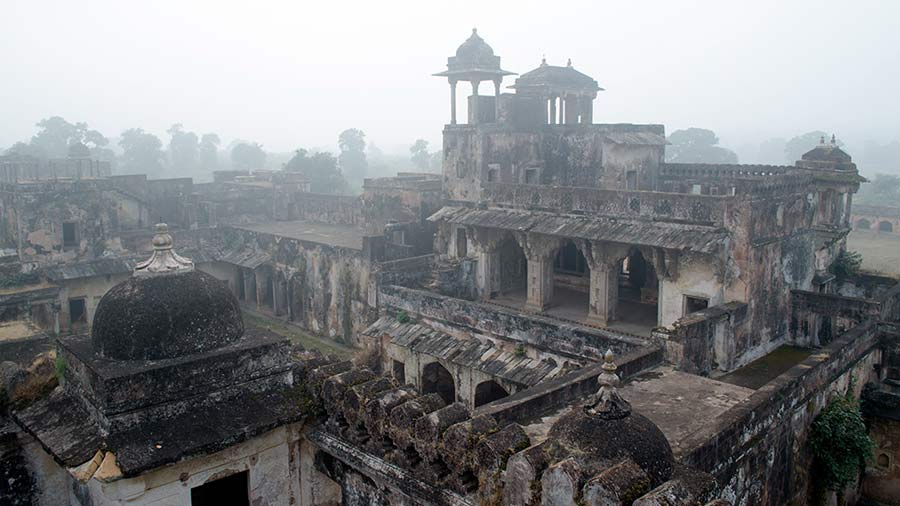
x: 292, y: 74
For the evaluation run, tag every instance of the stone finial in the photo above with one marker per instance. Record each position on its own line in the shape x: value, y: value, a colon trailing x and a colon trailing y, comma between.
x: 833, y: 140
x: 607, y: 403
x: 164, y: 259
x: 822, y: 140
x: 543, y: 60
x: 569, y: 63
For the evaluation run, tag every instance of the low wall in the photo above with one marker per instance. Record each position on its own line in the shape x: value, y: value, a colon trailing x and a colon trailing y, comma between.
x: 542, y: 333
x: 759, y: 453
x: 702, y: 341
x: 816, y: 318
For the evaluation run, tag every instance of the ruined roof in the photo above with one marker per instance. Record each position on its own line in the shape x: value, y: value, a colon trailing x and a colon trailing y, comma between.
x: 65, y: 428
x: 466, y: 352
x: 343, y: 236
x: 645, y: 233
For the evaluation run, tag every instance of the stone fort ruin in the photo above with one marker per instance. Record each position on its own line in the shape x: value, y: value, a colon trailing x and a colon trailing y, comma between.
x: 560, y: 317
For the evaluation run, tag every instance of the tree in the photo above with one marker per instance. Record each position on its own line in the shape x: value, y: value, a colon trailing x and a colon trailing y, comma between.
x: 321, y: 169
x: 56, y: 135
x: 882, y: 190
x: 78, y: 150
x: 183, y: 148
x: 142, y: 152
x: 419, y: 155
x: 697, y: 145
x: 246, y: 156
x: 352, y: 158
x: 796, y: 147
x: 209, y: 151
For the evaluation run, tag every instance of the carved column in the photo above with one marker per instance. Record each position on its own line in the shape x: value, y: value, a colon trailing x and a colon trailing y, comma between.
x: 487, y: 242
x: 604, y: 292
x: 539, y: 250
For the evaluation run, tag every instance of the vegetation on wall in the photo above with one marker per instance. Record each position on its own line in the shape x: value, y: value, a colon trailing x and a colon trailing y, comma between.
x: 839, y: 443
x: 846, y: 264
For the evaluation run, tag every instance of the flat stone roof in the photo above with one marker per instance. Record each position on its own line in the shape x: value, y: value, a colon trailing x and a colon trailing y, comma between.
x: 343, y: 236
x: 681, y: 404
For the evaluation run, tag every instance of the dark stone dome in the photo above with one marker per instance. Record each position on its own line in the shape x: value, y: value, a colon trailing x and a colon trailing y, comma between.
x: 597, y: 443
x: 475, y: 50
x: 166, y: 316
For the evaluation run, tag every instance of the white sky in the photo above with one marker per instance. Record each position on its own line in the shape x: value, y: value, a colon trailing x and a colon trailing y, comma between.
x: 296, y: 73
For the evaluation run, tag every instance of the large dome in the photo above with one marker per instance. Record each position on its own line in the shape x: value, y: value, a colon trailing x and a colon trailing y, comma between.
x: 166, y: 310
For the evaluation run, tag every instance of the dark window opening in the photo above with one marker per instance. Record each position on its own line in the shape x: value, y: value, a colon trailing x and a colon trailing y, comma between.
x: 232, y: 490
x: 694, y: 304
x: 885, y: 226
x: 400, y: 372
x: 70, y: 235
x: 462, y: 243
x: 531, y: 176
x: 569, y: 260
x: 489, y: 391
x: 863, y: 224
x: 437, y: 379
x: 492, y: 175
x: 77, y: 313
x: 631, y: 180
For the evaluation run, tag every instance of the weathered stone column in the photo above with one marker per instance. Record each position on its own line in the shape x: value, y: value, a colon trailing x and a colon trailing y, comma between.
x: 452, y: 102
x: 497, y: 101
x: 604, y: 292
x: 475, y: 102
x: 539, y: 251
x: 487, y: 243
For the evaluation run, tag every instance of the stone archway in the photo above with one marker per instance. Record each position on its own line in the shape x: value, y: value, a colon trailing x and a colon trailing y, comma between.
x: 489, y: 391
x: 863, y: 224
x: 885, y: 226
x: 437, y: 379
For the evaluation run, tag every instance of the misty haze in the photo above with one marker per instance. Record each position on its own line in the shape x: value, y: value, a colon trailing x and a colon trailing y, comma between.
x: 477, y: 253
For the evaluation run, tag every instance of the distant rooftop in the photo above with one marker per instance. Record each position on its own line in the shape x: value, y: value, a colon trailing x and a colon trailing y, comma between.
x: 343, y: 236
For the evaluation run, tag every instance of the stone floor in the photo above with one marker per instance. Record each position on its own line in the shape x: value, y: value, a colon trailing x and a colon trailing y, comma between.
x: 633, y: 317
x: 681, y: 404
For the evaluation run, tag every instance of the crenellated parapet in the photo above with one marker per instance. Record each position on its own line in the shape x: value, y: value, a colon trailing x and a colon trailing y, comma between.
x: 600, y: 453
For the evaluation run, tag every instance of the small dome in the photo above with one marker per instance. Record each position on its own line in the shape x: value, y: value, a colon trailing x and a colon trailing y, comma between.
x: 605, y: 431
x: 827, y: 152
x: 165, y: 312
x: 475, y: 50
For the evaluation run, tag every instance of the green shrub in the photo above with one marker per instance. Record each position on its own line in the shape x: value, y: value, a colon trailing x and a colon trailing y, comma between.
x: 846, y: 264
x: 840, y: 443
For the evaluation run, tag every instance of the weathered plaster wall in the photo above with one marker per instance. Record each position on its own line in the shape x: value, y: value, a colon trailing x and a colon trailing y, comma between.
x: 697, y: 277
x: 272, y: 461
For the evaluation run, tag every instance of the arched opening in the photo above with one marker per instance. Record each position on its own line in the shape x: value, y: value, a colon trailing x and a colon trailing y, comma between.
x: 571, y: 283
x: 637, y: 309
x: 267, y: 286
x: 437, y: 379
x: 885, y: 226
x: 863, y: 224
x: 489, y: 391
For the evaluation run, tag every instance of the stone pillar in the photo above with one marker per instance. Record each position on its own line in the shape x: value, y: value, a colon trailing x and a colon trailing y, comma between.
x: 604, y: 296
x: 539, y: 251
x: 487, y: 243
x: 497, y: 101
x: 55, y: 308
x: 260, y: 288
x: 453, y: 102
x: 604, y: 291
x: 250, y: 287
x: 475, y: 102
x: 552, y: 110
